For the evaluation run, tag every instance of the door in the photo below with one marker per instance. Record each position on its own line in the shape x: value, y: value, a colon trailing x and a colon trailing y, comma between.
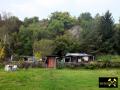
x: 51, y: 62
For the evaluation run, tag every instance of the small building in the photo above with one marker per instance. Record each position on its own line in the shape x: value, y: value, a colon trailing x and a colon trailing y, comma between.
x: 51, y: 61
x: 78, y: 57
x: 24, y: 58
x: 28, y: 58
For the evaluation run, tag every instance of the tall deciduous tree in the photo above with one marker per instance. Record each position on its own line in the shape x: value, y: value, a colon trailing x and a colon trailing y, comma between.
x: 40, y: 30
x: 43, y: 47
x: 56, y: 27
x: 25, y: 40
x: 66, y: 43
x: 28, y: 21
x: 65, y: 18
x: 8, y: 26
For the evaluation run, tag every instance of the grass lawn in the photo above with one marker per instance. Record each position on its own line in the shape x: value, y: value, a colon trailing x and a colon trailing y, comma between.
x: 52, y: 79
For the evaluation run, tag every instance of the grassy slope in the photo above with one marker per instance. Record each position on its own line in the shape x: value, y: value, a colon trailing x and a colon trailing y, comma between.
x: 51, y: 79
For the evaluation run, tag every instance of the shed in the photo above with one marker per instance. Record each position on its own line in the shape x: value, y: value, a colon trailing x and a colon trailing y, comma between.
x: 28, y: 58
x: 51, y: 61
x: 78, y: 57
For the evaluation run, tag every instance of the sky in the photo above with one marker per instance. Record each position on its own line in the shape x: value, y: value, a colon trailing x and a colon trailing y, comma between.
x: 43, y: 8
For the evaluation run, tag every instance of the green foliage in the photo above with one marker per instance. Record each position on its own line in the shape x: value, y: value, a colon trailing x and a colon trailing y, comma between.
x: 25, y: 42
x: 106, y: 32
x: 60, y: 65
x: 44, y: 47
x: 86, y: 21
x: 99, y: 38
x: 65, y: 18
x: 1, y: 65
x: 113, y: 58
x: 88, y: 35
x: 39, y: 30
x: 2, y: 54
x: 13, y: 23
x: 90, y: 66
x: 116, y: 39
x: 28, y: 21
x: 66, y: 43
x: 85, y: 16
x: 9, y: 25
x: 56, y: 27
x: 97, y: 35
x: 37, y: 55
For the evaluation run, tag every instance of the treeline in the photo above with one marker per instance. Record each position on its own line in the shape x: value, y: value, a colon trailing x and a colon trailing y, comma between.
x: 58, y: 34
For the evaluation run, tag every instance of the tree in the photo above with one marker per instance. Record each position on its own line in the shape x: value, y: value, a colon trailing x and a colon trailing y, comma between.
x: 40, y: 30
x: 105, y: 31
x: 25, y: 42
x: 28, y: 21
x: 64, y: 17
x: 66, y: 43
x: 2, y: 52
x: 8, y: 26
x: 86, y: 21
x: 56, y: 27
x: 99, y: 38
x: 13, y: 24
x: 116, y: 39
x: 87, y: 33
x: 43, y: 47
x: 85, y: 16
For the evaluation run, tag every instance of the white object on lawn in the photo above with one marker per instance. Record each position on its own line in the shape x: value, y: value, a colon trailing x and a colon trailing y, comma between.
x: 11, y: 67
x: 14, y: 68
x: 7, y: 68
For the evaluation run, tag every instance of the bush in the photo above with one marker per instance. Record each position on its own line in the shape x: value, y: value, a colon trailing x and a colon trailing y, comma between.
x: 60, y: 65
x: 40, y: 64
x: 113, y: 58
x: 91, y: 65
x: 72, y: 65
x: 115, y: 64
x: 1, y: 65
x: 107, y: 64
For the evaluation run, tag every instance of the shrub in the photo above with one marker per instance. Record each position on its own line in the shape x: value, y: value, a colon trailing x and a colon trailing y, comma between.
x: 40, y: 64
x: 60, y: 65
x: 91, y: 65
x: 113, y: 58
x: 72, y: 65
x: 1, y: 65
x: 115, y: 64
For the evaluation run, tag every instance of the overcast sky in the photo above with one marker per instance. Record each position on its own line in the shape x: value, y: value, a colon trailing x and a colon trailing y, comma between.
x: 43, y: 8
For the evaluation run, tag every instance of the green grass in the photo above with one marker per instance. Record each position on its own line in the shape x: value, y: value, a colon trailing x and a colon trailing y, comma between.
x: 113, y: 58
x: 52, y: 79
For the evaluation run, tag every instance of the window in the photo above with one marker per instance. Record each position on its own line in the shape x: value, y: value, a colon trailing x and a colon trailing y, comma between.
x: 67, y: 59
x: 85, y: 58
x: 79, y: 60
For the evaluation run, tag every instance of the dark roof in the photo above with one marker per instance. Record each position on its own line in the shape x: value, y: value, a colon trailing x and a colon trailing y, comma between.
x: 52, y: 56
x: 27, y: 56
